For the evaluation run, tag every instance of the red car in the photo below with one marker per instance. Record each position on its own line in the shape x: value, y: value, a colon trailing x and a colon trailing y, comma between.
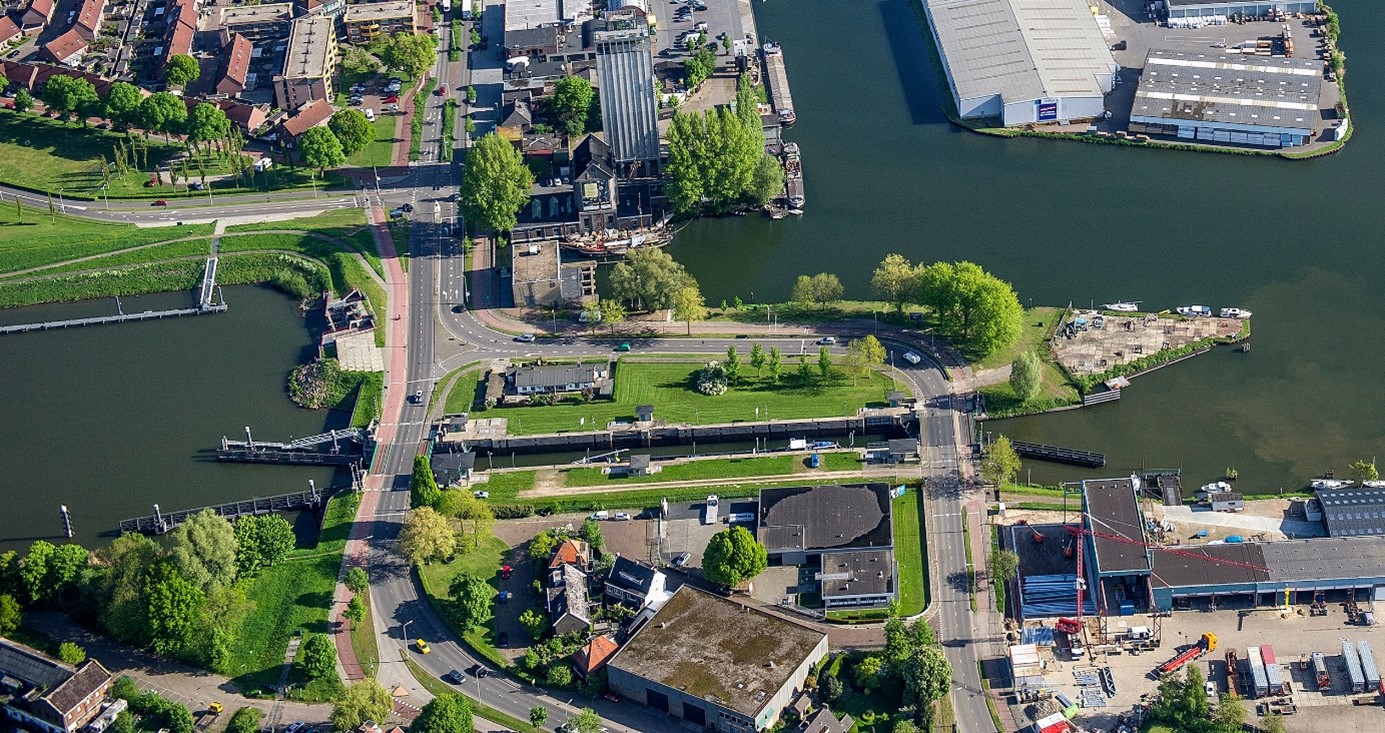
x: 439, y: 92
x: 392, y: 99
x: 612, y: 696
x: 160, y: 202
x: 505, y: 571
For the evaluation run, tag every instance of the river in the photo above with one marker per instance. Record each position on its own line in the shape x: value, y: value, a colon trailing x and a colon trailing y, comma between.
x: 110, y: 420
x: 1296, y: 242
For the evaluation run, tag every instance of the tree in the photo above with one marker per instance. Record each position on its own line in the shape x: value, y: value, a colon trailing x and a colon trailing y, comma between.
x: 23, y: 101
x: 444, y: 714
x: 204, y: 550
x: 218, y: 621
x: 733, y: 556
x: 534, y: 623
x: 48, y: 573
x: 474, y: 514
x: 1271, y: 723
x: 831, y: 688
x: 125, y: 723
x: 1364, y: 471
x: 1026, y: 376
x: 362, y: 701
x: 356, y: 580
x: 162, y: 112
x: 409, y: 53
x: 572, y: 99
x: 822, y: 289
x: 1001, y: 464
x: 768, y: 180
x: 122, y: 105
x: 495, y: 184
x: 732, y: 365
x: 805, y: 371
x: 355, y: 610
x: 586, y: 721
x: 181, y: 70
x: 776, y: 364
x: 757, y: 358
x: 317, y: 658
x: 359, y: 63
x: 471, y: 600
x: 591, y: 533
x: 864, y: 354
x: 559, y: 675
x: 262, y: 542
x: 975, y: 307
x: 171, y: 607
x: 688, y: 305
x: 321, y: 149
x: 11, y: 616
x: 423, y: 487
x: 541, y: 547
x: 1230, y: 715
x: 867, y: 672
x: 206, y: 123
x: 427, y: 537
x: 699, y: 66
x: 352, y: 129
x: 71, y: 654
x: 538, y: 715
x: 895, y: 280
x: 121, y: 588
x: 824, y: 364
x: 68, y: 95
x: 904, y: 726
x: 713, y: 158
x: 927, y: 678
x: 1002, y: 565
x: 245, y: 720
x: 650, y: 278
x: 613, y: 313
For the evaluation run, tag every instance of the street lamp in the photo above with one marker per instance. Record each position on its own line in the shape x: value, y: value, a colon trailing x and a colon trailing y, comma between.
x: 406, y: 633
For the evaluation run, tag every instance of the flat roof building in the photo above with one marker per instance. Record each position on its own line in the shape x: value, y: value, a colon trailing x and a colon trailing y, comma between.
x: 625, y: 74
x: 1111, y: 507
x: 530, y: 14
x: 366, y: 22
x: 1229, y: 98
x: 863, y: 579
x: 716, y: 663
x: 1227, y: 8
x: 801, y: 522
x: 1353, y: 511
x: 309, y: 63
x: 541, y: 277
x: 258, y: 23
x: 1023, y: 61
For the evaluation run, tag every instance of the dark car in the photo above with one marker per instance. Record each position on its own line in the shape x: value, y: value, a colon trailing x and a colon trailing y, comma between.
x: 502, y: 638
x: 612, y: 696
x: 479, y: 672
x: 408, y: 208
x: 439, y: 92
x: 454, y: 196
x: 459, y: 308
x: 454, y: 677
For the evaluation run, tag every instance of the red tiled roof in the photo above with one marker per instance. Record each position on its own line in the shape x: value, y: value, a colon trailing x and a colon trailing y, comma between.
x: 90, y: 15
x: 42, y: 7
x: 63, y: 47
x: 179, y: 41
x: 309, y: 116
x: 187, y: 13
x: 248, y: 116
x: 570, y: 552
x: 8, y: 28
x: 236, y: 65
x: 593, y: 655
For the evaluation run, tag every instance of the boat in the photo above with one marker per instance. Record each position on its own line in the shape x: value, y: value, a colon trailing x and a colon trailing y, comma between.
x: 1329, y: 483
x: 1125, y: 306
x: 793, y: 175
x: 1193, y: 311
x: 1235, y: 313
x: 778, y: 82
x: 1216, y: 487
x: 1373, y: 484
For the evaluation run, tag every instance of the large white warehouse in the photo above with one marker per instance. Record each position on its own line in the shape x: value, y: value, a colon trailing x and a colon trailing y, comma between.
x: 1023, y: 61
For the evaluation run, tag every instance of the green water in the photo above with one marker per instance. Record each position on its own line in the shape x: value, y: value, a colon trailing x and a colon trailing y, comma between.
x: 110, y: 420
x: 1296, y: 242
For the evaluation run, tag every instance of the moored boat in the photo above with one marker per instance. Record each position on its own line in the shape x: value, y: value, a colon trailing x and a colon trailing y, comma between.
x: 1329, y: 483
x: 1235, y: 313
x: 793, y: 175
x: 1124, y: 306
x: 1194, y: 311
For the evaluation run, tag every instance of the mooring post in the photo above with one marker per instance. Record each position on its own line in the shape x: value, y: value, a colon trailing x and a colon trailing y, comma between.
x: 67, y: 520
x: 249, y: 441
x: 312, y: 488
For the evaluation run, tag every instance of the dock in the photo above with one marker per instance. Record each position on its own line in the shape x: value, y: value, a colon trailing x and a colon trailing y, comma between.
x: 1058, y: 454
x: 205, y: 304
x: 161, y: 523
x: 778, y: 80
x: 347, y: 447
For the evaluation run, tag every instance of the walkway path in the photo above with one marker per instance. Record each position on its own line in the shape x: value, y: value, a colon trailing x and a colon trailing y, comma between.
x: 810, y: 475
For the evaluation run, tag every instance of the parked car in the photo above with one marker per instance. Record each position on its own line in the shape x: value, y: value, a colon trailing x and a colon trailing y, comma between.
x: 525, y: 338
x: 682, y: 560
x: 196, y: 186
x: 621, y: 516
x: 612, y: 696
x: 502, y: 638
x: 701, y: 26
x: 392, y: 99
x: 506, y: 571
x: 397, y: 212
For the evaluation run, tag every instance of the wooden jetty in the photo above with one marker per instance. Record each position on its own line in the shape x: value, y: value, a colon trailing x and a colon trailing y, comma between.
x: 205, y: 305
x: 1058, y: 454
x: 163, y: 522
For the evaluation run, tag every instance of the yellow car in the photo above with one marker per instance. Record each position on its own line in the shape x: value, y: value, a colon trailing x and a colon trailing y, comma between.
x: 423, y: 647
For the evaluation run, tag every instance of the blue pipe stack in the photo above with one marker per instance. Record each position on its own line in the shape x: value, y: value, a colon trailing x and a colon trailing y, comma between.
x: 1043, y: 596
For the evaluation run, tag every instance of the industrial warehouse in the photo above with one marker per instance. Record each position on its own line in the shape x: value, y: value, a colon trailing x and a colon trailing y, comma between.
x: 1023, y: 61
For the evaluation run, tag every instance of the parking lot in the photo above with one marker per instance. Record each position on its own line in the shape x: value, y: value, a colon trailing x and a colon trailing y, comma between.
x: 720, y: 16
x: 684, y: 532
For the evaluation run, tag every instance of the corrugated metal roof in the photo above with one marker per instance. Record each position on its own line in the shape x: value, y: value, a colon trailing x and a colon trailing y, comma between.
x: 1021, y: 49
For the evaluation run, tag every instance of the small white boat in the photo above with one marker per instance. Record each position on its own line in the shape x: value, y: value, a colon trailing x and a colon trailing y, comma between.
x: 1125, y: 306
x: 1373, y: 484
x: 1194, y: 311
x: 1235, y: 313
x: 1329, y: 483
x: 1216, y: 487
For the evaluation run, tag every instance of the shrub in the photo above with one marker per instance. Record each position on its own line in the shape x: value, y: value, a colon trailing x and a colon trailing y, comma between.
x: 712, y: 379
x: 512, y: 511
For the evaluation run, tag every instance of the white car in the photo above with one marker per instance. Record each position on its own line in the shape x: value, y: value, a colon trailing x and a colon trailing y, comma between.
x: 912, y: 358
x: 621, y: 516
x: 827, y: 340
x: 525, y: 338
x: 481, y: 494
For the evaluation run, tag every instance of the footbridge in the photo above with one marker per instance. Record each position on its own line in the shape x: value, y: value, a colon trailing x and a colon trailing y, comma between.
x: 207, y: 302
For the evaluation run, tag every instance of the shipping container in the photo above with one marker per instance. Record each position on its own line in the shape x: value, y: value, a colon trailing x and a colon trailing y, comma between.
x: 1368, y: 668
x: 1320, y: 671
x: 1355, y: 678
x: 1260, y: 683
x: 1273, y: 675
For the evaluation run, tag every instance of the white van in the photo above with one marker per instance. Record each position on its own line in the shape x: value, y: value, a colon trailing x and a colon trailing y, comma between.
x: 369, y: 114
x: 912, y: 358
x: 741, y: 517
x: 601, y: 515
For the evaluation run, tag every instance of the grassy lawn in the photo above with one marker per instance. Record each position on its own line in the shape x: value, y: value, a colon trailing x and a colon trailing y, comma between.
x: 296, y: 594
x: 463, y: 392
x: 363, y: 640
x: 1055, y: 391
x: 369, y: 398
x: 32, y: 238
x: 693, y: 470
x: 348, y: 225
x: 1038, y: 325
x: 667, y: 385
x: 437, y: 578
x: 197, y: 248
x: 380, y: 152
x: 909, y: 553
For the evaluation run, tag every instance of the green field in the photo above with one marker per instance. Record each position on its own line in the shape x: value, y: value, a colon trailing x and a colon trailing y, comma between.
x: 32, y: 237
x: 1039, y: 324
x: 380, y: 152
x: 667, y: 386
x: 437, y: 579
x: 693, y: 470
x: 294, y: 595
x: 910, y: 554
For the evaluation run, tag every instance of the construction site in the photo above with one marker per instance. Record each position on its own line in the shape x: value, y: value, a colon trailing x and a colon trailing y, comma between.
x: 1112, y: 599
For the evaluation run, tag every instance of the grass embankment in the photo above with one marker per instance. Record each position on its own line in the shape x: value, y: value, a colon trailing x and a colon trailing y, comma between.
x: 997, y: 589
x: 461, y: 396
x: 437, y: 688
x: 449, y: 129
x: 693, y: 471
x: 437, y: 580
x: 1055, y: 390
x: 379, y: 153
x: 669, y: 387
x: 31, y: 237
x: 44, y: 154
x: 295, y: 594
x: 416, y: 125
x: 348, y: 225
x: 363, y: 640
x: 910, y: 553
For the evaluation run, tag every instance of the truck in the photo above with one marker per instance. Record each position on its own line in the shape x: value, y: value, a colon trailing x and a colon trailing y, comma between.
x: 1259, y: 681
x: 1368, y: 668
x: 1232, y: 672
x: 709, y: 510
x: 1320, y: 671
x: 1207, y: 643
x: 1273, y: 674
x: 1356, y: 679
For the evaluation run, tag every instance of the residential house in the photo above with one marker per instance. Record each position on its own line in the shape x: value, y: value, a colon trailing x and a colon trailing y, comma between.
x: 310, y: 115
x: 309, y: 63
x: 636, y: 585
x: 453, y: 467
x: 37, y: 16
x: 534, y: 379
x: 247, y: 117
x: 368, y: 22
x: 825, y: 721
x: 901, y: 450
x: 261, y: 24
x: 594, y: 654
x: 233, y: 78
x: 88, y: 22
x: 533, y: 44
x: 594, y: 186
x: 9, y: 29
x: 571, y: 552
x: 44, y: 694
x: 66, y: 49
x: 516, y: 120
x: 181, y: 29
x: 569, y: 607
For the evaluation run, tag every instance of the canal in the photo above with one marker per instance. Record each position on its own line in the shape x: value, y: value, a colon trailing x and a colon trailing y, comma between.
x: 1299, y: 243
x: 112, y: 419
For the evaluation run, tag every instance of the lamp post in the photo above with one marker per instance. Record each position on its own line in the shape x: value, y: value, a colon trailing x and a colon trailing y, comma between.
x: 406, y: 634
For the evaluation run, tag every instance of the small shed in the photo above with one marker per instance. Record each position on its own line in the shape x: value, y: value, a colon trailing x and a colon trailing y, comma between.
x: 1024, y: 661
x: 898, y: 398
x: 644, y: 413
x: 1226, y: 501
x: 641, y: 465
x: 902, y: 450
